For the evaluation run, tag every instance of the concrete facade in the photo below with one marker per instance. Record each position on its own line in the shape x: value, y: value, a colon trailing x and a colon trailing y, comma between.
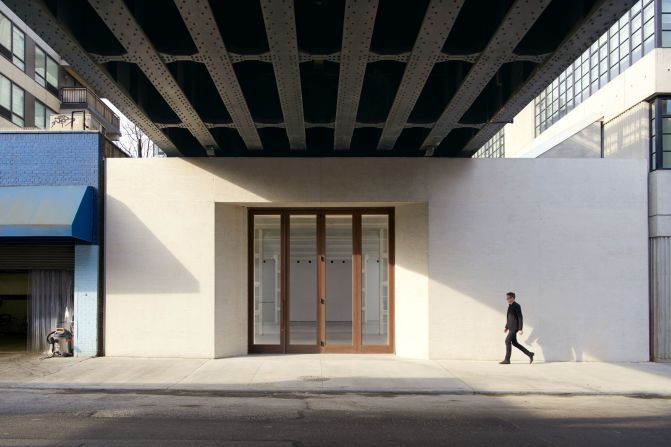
x: 467, y: 232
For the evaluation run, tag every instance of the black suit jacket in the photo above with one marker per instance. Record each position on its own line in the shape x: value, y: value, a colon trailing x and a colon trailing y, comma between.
x: 514, y: 317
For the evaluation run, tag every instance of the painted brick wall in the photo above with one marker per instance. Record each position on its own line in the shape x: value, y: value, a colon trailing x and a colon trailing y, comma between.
x: 49, y: 158
x: 86, y: 300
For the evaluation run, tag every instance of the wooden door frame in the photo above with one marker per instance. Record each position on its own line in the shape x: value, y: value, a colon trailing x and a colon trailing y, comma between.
x: 320, y: 213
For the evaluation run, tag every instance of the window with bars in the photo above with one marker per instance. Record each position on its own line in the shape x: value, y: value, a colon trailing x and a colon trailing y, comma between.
x: 624, y: 43
x: 494, y: 148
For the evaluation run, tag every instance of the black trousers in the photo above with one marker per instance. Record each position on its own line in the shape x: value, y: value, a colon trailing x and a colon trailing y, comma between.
x: 511, y: 339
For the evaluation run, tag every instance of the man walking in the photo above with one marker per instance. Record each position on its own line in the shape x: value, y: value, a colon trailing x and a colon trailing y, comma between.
x: 513, y: 325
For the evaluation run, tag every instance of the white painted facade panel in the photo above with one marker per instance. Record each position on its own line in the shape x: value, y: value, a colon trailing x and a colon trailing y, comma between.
x: 467, y: 231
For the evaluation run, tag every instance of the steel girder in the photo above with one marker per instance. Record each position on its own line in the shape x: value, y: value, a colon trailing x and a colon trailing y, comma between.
x: 357, y: 33
x: 36, y: 15
x: 436, y: 26
x: 280, y: 23
x: 121, y: 22
x: 213, y: 54
x: 599, y: 20
x: 519, y: 19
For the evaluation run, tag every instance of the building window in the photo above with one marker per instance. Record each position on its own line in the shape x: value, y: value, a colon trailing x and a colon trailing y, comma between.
x: 624, y: 43
x: 666, y: 23
x: 18, y: 48
x: 46, y: 71
x: 12, y: 42
x: 660, y: 133
x: 494, y: 148
x: 17, y: 105
x: 42, y: 115
x: 11, y: 101
x: 6, y: 34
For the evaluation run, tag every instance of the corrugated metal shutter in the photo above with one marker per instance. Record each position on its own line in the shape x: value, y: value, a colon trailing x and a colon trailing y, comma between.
x: 34, y: 257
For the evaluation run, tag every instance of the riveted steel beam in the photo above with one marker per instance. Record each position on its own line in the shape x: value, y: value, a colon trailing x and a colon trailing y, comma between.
x: 280, y: 23
x: 519, y: 19
x: 359, y: 20
x: 215, y: 57
x: 600, y: 18
x: 38, y: 17
x: 438, y: 20
x: 128, y: 32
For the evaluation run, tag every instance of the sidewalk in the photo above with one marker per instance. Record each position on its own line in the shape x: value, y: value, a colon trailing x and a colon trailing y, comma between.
x: 335, y: 374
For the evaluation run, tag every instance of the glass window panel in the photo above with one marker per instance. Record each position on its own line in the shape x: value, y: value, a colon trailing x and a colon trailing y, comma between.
x: 666, y: 160
x: 338, y: 279
x: 666, y: 125
x: 5, y: 32
x: 375, y: 279
x: 649, y: 11
x: 666, y: 39
x: 648, y: 28
x: 666, y: 106
x: 666, y: 142
x: 40, y: 64
x: 5, y: 93
x: 18, y: 47
x: 267, y: 280
x: 52, y: 72
x: 303, y: 291
x: 17, y: 101
x: 666, y: 5
x: 649, y: 44
x: 666, y: 21
x: 40, y: 115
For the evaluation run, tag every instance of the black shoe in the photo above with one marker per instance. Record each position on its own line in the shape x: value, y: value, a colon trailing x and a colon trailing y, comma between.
x: 531, y: 357
x: 505, y: 362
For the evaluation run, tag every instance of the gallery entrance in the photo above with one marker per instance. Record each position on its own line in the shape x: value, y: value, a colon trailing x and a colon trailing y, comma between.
x: 321, y: 280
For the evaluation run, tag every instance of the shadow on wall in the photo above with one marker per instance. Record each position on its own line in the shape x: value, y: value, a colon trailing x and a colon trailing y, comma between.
x: 148, y: 267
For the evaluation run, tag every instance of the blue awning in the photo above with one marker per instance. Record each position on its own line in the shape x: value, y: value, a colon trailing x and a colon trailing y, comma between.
x: 47, y: 211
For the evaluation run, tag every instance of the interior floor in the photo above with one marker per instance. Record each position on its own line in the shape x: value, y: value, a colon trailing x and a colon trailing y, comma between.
x: 337, y: 333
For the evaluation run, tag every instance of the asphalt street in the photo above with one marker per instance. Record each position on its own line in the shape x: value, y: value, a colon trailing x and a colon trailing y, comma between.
x: 75, y: 418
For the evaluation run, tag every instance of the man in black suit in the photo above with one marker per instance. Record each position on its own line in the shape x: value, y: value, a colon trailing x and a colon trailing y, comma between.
x: 513, y: 326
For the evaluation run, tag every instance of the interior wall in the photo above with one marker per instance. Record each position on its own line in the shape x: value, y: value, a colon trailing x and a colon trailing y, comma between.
x: 230, y: 309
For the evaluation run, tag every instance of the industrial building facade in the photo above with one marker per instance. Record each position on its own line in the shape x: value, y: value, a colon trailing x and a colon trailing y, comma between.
x: 320, y: 197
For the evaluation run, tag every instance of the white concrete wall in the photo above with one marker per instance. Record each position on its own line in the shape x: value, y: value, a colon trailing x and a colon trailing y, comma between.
x: 570, y: 236
x: 230, y: 307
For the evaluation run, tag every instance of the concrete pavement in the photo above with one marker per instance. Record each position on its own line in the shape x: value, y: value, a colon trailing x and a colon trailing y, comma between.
x: 335, y: 374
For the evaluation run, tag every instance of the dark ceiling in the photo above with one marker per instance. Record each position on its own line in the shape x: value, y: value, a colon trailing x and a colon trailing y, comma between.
x: 319, y: 77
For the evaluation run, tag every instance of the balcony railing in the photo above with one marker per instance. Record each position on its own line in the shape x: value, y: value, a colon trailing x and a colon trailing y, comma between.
x: 83, y: 97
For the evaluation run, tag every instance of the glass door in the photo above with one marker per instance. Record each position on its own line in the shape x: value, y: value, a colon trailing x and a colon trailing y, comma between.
x: 321, y: 280
x: 303, y: 290
x: 339, y: 282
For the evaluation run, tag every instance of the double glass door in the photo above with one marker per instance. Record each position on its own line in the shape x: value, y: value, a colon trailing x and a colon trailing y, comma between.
x: 321, y: 280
